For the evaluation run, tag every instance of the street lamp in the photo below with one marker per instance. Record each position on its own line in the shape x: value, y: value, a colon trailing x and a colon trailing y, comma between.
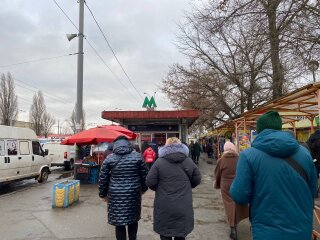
x: 313, y: 66
x: 80, y: 35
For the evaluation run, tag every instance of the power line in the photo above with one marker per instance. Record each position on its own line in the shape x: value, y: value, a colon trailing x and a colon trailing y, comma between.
x: 38, y: 60
x: 105, y: 38
x: 95, y: 51
x: 56, y: 98
x: 115, y: 76
x: 66, y: 15
x: 24, y: 100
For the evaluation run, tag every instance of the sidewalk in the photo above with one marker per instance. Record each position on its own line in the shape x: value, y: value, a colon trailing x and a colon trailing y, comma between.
x: 28, y: 215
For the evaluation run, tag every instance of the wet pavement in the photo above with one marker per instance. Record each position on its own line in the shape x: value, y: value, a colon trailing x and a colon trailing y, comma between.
x: 26, y: 213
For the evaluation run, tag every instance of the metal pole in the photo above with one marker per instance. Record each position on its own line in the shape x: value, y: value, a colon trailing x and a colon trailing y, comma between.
x: 79, y: 105
x: 314, y: 76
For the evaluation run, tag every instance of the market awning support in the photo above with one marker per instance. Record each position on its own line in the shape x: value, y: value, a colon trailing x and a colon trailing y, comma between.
x: 244, y: 125
x: 311, y: 118
x: 293, y: 124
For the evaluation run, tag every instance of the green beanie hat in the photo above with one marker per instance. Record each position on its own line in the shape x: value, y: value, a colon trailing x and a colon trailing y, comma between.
x: 269, y: 120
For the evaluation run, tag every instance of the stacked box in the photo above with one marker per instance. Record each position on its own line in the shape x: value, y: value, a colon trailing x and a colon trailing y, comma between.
x: 65, y: 193
x: 77, y: 190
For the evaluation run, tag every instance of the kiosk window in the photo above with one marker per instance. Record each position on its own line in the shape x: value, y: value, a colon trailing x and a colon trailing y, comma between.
x: 12, y: 147
x: 1, y: 148
x: 36, y: 148
x: 24, y: 147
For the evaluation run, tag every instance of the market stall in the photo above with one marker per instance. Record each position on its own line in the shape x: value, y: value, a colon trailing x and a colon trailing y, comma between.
x: 301, y: 104
x: 86, y: 166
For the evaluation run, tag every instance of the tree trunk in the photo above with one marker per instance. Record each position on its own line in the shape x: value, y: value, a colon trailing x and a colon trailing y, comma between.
x: 242, y: 101
x: 277, y: 76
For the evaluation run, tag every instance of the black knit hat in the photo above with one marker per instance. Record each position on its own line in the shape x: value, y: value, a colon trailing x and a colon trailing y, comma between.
x: 269, y: 120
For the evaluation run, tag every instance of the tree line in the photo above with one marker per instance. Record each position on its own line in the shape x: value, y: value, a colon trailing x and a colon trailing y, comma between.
x: 40, y: 120
x: 241, y: 54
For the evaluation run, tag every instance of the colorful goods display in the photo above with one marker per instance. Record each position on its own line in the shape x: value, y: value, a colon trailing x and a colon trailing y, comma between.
x: 65, y: 193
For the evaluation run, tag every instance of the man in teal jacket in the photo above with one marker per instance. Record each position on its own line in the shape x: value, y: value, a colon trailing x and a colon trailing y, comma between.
x: 280, y: 199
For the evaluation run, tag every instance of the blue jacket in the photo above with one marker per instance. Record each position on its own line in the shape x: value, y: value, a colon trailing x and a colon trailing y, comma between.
x: 122, y: 180
x: 281, y: 201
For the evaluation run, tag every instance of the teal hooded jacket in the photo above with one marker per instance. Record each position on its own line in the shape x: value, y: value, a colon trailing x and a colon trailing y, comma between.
x: 281, y: 201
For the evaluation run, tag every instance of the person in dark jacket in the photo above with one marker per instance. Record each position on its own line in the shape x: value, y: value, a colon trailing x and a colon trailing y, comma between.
x: 314, y: 146
x: 173, y: 176
x: 191, y: 151
x: 197, y: 151
x: 121, y: 183
x: 108, y: 151
x: 280, y: 198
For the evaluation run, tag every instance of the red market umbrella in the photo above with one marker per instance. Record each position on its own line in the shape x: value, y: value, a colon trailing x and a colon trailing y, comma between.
x: 122, y: 130
x: 93, y: 136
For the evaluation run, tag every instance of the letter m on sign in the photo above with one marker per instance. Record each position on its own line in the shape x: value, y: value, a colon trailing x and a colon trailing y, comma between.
x: 149, y: 103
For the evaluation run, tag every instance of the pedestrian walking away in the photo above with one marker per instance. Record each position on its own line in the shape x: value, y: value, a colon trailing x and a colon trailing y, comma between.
x: 121, y: 183
x: 197, y: 151
x: 277, y: 177
x: 149, y: 157
x: 172, y: 177
x: 209, y: 149
x: 314, y: 146
x: 224, y: 174
x: 191, y: 151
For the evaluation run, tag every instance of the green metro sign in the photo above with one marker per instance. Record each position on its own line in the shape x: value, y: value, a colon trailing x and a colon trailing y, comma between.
x: 149, y: 103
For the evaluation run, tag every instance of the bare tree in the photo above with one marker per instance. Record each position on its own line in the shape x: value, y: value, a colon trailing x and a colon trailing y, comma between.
x: 8, y: 100
x: 72, y: 121
x: 41, y: 121
x: 37, y: 111
x: 47, y: 122
x: 280, y: 19
x: 242, y: 54
x: 228, y: 71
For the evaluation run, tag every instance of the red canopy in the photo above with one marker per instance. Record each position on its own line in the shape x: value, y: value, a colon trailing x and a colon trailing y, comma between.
x: 122, y: 130
x: 94, y: 136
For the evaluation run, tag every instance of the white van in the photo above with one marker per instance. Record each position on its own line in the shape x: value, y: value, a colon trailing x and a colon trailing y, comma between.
x: 21, y: 156
x: 60, y: 155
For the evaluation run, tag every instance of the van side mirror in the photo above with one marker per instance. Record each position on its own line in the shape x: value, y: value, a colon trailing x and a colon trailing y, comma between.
x: 46, y: 152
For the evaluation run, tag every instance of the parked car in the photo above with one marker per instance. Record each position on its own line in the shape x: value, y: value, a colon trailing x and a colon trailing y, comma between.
x: 60, y: 155
x: 21, y: 156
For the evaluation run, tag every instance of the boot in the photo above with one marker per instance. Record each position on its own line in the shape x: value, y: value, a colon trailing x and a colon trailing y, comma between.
x: 233, y: 233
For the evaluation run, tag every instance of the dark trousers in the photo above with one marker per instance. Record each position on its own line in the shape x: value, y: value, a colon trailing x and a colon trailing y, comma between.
x: 121, y: 233
x: 171, y: 238
x: 149, y: 165
x: 196, y: 160
x: 193, y: 157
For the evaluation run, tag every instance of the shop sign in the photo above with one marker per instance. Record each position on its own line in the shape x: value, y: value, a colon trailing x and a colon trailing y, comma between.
x: 149, y: 103
x: 153, y: 128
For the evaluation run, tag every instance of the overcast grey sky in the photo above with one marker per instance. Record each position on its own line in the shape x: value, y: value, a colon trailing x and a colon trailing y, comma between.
x: 141, y: 32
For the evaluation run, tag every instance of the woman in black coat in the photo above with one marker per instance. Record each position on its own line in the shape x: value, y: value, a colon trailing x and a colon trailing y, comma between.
x: 173, y: 176
x: 121, y: 183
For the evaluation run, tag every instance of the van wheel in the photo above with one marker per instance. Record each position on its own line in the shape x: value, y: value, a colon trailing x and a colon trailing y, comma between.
x: 69, y: 165
x: 43, y: 175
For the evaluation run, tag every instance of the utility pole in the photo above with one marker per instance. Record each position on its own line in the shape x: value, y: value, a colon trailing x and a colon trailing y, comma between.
x: 79, y: 104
